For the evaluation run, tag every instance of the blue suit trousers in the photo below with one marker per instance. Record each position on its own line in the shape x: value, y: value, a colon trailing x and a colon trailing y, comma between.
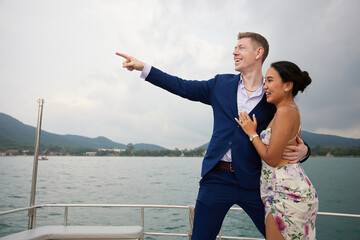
x: 219, y: 191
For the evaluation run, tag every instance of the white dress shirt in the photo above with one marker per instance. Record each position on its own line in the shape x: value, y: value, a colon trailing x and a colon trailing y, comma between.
x: 245, y: 104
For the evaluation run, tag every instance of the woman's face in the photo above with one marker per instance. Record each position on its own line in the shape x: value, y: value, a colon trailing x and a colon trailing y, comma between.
x: 275, y: 89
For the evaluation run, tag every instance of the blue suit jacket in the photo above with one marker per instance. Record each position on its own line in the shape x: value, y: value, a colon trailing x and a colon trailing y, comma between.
x: 221, y: 93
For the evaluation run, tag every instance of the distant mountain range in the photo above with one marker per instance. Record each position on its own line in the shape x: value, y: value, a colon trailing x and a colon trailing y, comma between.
x: 14, y: 131
x: 323, y: 140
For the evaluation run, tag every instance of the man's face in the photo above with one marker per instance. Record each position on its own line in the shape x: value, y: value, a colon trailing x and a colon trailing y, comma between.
x: 244, y: 55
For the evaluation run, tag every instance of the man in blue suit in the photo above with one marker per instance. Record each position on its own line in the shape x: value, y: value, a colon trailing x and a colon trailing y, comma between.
x: 231, y: 166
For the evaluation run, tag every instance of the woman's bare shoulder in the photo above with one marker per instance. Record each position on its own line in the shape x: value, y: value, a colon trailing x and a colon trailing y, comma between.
x: 287, y: 111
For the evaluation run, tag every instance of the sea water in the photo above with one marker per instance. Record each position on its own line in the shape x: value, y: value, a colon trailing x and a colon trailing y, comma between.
x: 156, y: 180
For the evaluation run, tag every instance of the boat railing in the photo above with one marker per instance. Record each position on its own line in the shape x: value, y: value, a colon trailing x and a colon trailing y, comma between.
x: 142, y: 208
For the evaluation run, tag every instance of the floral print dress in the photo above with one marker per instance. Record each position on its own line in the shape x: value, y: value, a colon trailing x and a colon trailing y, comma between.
x: 289, y: 195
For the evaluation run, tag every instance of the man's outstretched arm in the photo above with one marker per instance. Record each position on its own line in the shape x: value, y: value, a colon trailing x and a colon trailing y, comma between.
x: 189, y: 89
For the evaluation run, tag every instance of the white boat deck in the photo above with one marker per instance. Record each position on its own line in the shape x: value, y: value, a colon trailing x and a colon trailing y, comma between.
x: 79, y: 232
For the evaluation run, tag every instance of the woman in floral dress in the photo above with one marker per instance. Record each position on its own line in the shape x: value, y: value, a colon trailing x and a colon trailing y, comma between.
x: 290, y: 199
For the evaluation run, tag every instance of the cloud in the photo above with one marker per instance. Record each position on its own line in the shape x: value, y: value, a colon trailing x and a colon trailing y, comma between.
x: 64, y: 52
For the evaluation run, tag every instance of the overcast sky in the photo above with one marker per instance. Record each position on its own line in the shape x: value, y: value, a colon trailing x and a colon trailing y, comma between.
x: 64, y: 51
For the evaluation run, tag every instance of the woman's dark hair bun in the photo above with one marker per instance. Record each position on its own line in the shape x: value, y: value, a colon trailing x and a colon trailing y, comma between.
x: 306, y: 80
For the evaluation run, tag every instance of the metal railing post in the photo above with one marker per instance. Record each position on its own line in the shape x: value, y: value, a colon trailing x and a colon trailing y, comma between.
x: 32, y: 212
x: 66, y: 215
x: 191, y: 212
x: 142, y: 221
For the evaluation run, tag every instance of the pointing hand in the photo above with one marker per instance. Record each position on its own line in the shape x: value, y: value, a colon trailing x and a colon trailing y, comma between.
x: 131, y: 63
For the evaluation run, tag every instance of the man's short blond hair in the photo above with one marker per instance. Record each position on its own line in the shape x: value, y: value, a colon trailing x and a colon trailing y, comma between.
x: 259, y: 41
